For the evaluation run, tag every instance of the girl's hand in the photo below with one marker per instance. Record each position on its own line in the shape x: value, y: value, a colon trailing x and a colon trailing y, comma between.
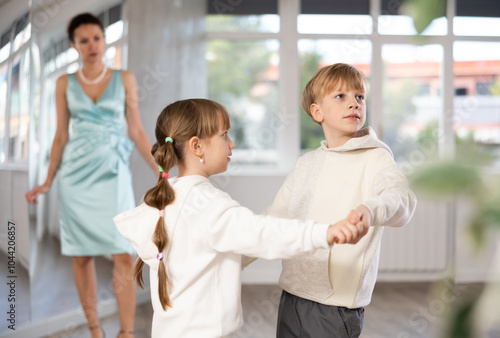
x: 33, y: 193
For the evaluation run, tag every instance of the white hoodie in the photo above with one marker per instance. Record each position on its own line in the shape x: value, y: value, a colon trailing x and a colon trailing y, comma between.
x: 209, y: 232
x: 324, y: 186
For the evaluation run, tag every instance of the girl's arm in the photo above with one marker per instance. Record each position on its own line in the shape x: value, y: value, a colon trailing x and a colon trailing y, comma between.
x: 135, y: 128
x: 60, y: 140
x: 229, y: 227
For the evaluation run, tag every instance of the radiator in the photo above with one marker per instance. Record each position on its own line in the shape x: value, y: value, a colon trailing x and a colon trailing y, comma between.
x: 423, y: 245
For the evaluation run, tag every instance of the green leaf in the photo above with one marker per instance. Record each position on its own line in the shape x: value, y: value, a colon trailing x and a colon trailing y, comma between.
x: 461, y: 321
x: 447, y: 178
x: 424, y: 11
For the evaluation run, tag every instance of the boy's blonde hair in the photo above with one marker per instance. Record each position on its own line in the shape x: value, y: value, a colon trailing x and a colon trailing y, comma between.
x: 329, y: 78
x: 179, y: 121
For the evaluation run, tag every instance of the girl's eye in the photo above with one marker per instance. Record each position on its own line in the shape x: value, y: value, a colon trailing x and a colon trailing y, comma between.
x: 340, y: 96
x: 360, y: 97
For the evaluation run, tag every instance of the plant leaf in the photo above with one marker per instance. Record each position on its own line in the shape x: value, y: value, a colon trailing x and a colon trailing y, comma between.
x: 447, y: 178
x: 424, y: 11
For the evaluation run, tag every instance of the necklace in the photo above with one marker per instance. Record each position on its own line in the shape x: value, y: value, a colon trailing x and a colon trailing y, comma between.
x: 94, y: 81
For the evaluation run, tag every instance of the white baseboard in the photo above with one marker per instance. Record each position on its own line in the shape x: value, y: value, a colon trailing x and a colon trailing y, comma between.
x: 69, y: 320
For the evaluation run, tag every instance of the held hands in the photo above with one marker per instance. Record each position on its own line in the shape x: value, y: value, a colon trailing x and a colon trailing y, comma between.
x: 33, y: 193
x: 351, y: 229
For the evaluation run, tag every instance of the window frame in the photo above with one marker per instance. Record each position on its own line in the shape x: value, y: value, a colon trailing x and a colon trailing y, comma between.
x: 288, y: 139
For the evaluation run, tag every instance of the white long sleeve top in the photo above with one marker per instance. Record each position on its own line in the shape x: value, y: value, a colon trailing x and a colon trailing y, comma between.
x: 324, y: 186
x: 209, y: 232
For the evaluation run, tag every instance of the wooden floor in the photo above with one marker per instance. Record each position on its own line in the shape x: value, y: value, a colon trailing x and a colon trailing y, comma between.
x: 398, y: 310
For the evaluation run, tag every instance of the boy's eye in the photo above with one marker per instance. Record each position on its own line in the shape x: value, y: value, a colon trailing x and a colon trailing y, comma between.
x: 360, y: 97
x: 340, y: 96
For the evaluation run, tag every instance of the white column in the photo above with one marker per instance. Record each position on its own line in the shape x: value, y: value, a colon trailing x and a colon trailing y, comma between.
x: 166, y: 53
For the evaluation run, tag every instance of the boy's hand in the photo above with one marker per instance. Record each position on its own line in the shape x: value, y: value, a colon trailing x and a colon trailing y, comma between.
x: 349, y: 230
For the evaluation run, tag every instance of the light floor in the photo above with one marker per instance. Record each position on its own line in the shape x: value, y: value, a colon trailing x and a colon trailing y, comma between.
x: 398, y: 310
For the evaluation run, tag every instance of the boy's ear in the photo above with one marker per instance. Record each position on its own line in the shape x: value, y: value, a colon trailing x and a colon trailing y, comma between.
x: 316, y: 113
x: 194, y: 146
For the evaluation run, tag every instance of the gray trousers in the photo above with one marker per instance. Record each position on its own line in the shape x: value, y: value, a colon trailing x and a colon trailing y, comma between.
x: 299, y: 317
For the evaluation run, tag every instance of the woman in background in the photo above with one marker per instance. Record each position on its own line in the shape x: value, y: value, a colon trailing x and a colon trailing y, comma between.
x: 93, y: 163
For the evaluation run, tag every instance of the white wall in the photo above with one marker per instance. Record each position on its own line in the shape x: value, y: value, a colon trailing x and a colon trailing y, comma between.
x: 14, y: 209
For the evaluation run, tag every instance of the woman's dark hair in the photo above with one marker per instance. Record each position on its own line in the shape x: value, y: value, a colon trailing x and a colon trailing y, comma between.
x: 82, y: 19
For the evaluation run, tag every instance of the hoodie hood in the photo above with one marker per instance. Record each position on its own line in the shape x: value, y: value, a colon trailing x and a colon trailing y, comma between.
x: 365, y: 138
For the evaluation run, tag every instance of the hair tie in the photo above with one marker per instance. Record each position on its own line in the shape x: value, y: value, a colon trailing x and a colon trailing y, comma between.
x: 162, y: 213
x: 159, y: 256
x: 163, y: 175
x: 169, y: 139
x: 160, y: 168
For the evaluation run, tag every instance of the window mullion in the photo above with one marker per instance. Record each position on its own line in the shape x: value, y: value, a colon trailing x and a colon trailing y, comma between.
x: 447, y: 139
x: 288, y: 118
x: 375, y: 118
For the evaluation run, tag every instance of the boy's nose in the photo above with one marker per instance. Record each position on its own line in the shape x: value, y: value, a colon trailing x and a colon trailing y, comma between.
x: 353, y: 104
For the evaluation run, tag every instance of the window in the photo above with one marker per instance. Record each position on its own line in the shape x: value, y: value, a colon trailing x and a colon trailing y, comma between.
x: 408, y: 105
x: 19, y: 107
x: 3, y: 108
x: 244, y: 77
x: 393, y: 22
x: 15, y: 91
x: 242, y: 16
x: 477, y: 18
x: 410, y: 118
x: 477, y: 105
x: 335, y: 17
x: 243, y: 74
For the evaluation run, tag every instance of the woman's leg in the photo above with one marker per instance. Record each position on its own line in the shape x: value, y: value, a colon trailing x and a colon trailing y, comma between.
x: 86, y: 284
x: 125, y: 291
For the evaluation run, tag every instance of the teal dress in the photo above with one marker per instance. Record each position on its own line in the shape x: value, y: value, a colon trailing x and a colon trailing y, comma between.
x: 95, y: 183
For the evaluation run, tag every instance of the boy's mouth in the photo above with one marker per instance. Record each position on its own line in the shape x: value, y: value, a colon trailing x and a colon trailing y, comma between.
x: 353, y: 116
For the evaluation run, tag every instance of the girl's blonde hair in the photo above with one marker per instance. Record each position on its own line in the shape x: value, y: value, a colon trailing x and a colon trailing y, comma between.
x: 329, y: 78
x: 180, y: 121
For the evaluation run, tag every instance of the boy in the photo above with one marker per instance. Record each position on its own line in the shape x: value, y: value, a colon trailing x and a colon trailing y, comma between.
x: 324, y: 294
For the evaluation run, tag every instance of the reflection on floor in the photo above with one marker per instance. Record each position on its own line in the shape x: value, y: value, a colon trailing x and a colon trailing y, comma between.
x: 397, y: 310
x: 53, y: 289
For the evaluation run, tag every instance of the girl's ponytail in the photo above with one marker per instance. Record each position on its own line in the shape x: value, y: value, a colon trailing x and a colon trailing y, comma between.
x: 159, y: 196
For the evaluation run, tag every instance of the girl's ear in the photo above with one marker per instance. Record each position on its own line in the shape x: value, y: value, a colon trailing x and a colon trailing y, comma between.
x: 195, y: 146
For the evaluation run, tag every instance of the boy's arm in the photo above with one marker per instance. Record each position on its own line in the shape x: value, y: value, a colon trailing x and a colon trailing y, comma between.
x: 393, y: 202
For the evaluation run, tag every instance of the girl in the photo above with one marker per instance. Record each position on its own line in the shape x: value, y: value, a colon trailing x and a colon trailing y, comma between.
x: 192, y: 235
x: 95, y: 182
